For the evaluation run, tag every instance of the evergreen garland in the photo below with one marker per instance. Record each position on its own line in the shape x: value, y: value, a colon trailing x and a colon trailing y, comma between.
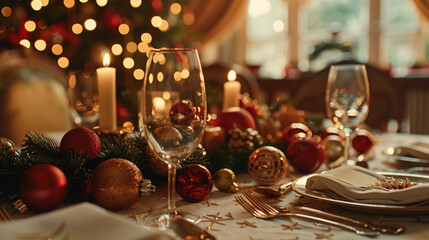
x: 38, y: 149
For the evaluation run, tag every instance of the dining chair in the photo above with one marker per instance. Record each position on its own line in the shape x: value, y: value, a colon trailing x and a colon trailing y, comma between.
x: 309, y: 95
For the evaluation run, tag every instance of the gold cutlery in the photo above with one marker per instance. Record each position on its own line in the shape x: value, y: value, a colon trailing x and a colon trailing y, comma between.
x: 258, y: 213
x: 364, y: 224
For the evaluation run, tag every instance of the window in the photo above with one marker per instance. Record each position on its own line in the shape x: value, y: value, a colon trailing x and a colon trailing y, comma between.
x: 387, y: 33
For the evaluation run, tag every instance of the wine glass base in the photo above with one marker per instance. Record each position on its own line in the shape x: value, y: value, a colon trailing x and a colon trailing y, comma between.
x: 162, y: 220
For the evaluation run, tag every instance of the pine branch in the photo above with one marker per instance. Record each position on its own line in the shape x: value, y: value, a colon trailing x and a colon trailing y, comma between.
x: 37, y: 144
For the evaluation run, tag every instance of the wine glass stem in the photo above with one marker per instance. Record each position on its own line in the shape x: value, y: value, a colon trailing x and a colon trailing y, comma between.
x: 347, y: 133
x: 172, y: 167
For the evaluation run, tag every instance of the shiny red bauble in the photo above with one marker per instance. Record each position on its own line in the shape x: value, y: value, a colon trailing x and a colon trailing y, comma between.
x: 291, y: 132
x: 306, y: 155
x: 363, y: 141
x: 81, y: 140
x: 194, y: 183
x: 182, y: 113
x: 233, y: 117
x: 43, y: 187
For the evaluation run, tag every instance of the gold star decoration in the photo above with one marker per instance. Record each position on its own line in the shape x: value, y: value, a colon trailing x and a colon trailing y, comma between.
x: 211, y: 203
x: 246, y: 223
x: 216, y: 218
x: 295, y: 238
x: 323, y: 236
x: 291, y: 227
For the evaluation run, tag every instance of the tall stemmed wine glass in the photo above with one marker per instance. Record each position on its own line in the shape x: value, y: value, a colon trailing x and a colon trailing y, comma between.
x: 347, y: 99
x: 174, y: 110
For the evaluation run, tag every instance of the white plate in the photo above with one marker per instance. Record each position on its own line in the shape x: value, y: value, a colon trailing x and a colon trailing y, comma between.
x: 299, y: 187
x: 82, y: 221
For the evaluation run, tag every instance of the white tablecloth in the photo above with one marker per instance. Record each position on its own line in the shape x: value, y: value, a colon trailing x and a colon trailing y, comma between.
x: 226, y: 219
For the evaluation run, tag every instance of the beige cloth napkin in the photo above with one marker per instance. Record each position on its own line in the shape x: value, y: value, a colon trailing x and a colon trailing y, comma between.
x: 353, y: 183
x: 417, y: 150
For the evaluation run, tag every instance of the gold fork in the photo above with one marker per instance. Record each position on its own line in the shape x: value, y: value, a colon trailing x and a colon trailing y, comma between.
x: 4, y: 215
x: 367, y: 225
x: 258, y: 213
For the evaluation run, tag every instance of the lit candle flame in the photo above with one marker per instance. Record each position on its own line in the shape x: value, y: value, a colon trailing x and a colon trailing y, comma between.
x: 232, y: 75
x: 106, y: 60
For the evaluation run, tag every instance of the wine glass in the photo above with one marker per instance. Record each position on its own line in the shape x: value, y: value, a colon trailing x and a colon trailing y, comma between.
x: 173, y: 111
x: 82, y: 92
x: 347, y: 100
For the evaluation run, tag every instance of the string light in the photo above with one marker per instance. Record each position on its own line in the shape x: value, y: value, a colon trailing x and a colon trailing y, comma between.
x: 6, y: 11
x: 160, y: 77
x: 77, y: 28
x: 30, y: 25
x: 188, y: 18
x: 135, y: 3
x: 164, y: 26
x: 68, y: 3
x: 40, y: 44
x: 45, y: 2
x: 138, y: 74
x: 175, y: 8
x: 116, y: 49
x: 101, y: 3
x: 156, y: 21
x: 63, y: 62
x: 90, y: 24
x: 124, y: 29
x: 36, y: 5
x: 25, y: 43
x: 128, y: 63
x: 142, y: 47
x: 131, y: 47
x: 146, y: 37
x: 57, y: 49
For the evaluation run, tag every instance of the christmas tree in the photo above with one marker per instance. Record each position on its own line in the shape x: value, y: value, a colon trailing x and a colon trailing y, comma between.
x: 77, y: 34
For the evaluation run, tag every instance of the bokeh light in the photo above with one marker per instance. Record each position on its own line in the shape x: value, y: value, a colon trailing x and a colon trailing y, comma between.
x: 36, y: 5
x: 128, y: 63
x: 146, y: 37
x: 63, y: 62
x: 40, y: 44
x: 116, y: 49
x: 175, y: 8
x: 101, y: 3
x: 30, y: 25
x: 138, y: 74
x: 156, y: 21
x: 90, y: 24
x: 6, y: 11
x: 57, y: 49
x: 135, y: 3
x: 131, y: 47
x: 25, y: 43
x: 77, y: 28
x: 124, y: 29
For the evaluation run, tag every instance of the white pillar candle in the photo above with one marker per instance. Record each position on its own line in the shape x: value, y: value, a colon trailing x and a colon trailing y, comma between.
x: 231, y: 91
x: 106, y: 79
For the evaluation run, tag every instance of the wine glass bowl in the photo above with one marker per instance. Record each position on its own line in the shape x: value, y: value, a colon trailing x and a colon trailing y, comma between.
x: 173, y: 111
x: 347, y: 99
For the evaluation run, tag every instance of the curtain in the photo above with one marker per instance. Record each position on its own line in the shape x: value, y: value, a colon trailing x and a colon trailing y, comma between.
x: 217, y: 20
x: 423, y: 8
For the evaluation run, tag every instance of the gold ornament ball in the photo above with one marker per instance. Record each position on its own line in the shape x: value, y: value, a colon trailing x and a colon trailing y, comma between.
x: 156, y: 165
x: 116, y: 184
x: 267, y: 165
x: 334, y: 150
x: 224, y: 180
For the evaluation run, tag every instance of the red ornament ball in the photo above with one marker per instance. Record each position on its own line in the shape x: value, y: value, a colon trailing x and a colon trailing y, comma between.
x: 306, y: 154
x: 182, y: 113
x: 363, y: 141
x: 82, y: 140
x: 194, y: 183
x: 291, y: 132
x: 43, y: 187
x: 231, y: 118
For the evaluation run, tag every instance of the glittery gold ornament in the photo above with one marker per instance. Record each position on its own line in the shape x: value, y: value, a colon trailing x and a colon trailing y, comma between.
x: 224, y: 180
x: 334, y: 150
x: 116, y: 184
x: 267, y: 165
x: 156, y: 165
x: 168, y: 135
